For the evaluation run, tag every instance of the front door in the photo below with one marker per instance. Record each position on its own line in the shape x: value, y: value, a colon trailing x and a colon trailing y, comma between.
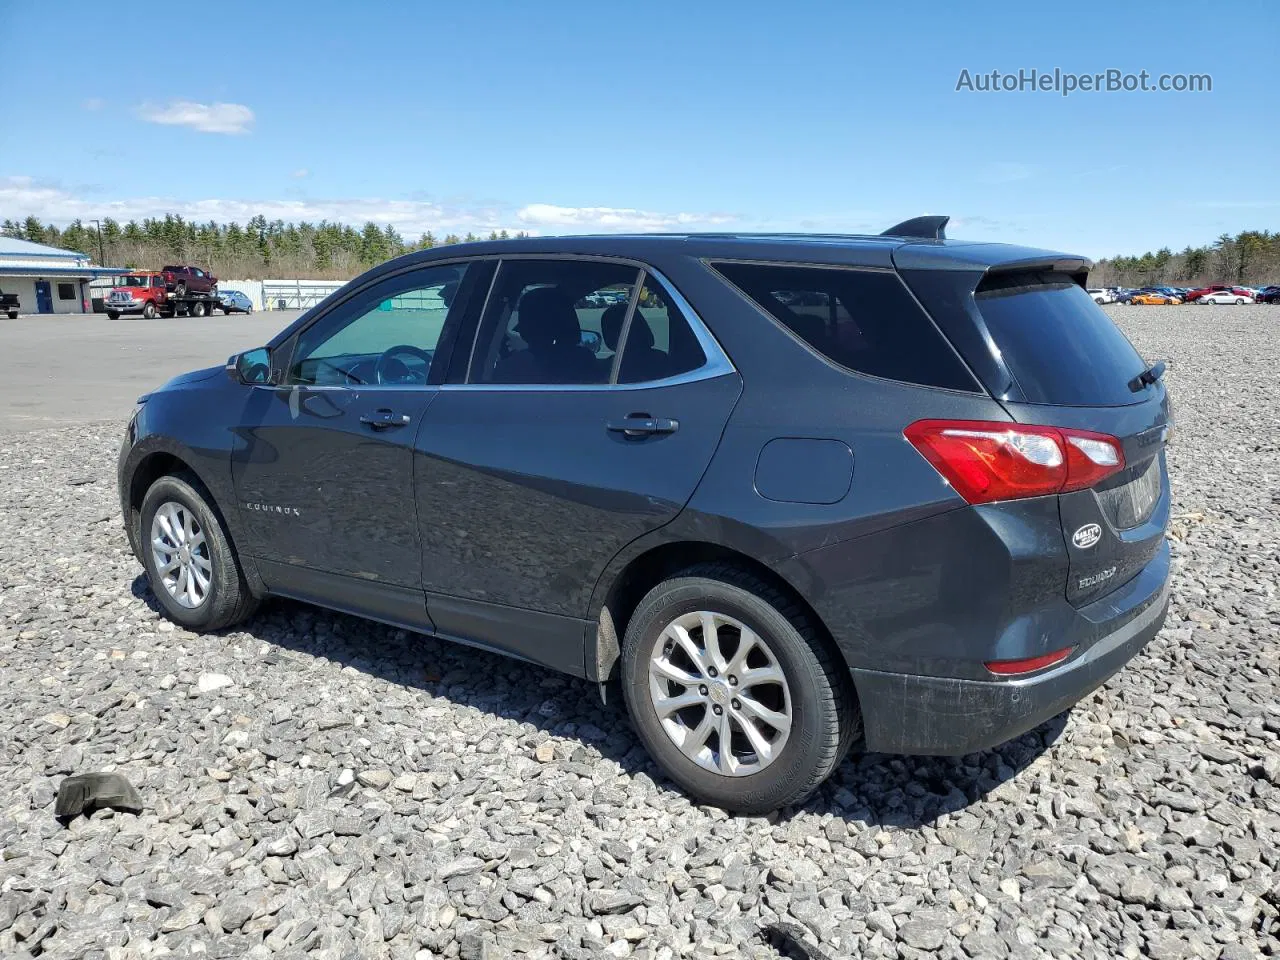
x: 557, y: 452
x: 324, y: 476
x: 44, y: 297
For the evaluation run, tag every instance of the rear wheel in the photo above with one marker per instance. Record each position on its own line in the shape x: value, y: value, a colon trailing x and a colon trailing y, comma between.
x: 149, y: 311
x: 191, y: 565
x: 733, y: 690
x: 1239, y: 302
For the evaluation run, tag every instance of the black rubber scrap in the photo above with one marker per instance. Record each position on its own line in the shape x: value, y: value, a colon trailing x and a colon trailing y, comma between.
x: 789, y: 940
x: 87, y: 792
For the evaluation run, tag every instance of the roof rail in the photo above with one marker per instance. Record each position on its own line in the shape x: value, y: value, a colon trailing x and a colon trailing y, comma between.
x: 922, y: 228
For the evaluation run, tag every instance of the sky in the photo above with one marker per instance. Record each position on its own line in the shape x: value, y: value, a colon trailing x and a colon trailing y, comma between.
x: 586, y: 117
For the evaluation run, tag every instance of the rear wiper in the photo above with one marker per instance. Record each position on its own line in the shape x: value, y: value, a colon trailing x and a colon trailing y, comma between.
x: 1147, y: 376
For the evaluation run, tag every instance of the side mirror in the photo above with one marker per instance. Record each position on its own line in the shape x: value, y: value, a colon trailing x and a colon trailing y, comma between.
x: 591, y: 340
x: 253, y: 367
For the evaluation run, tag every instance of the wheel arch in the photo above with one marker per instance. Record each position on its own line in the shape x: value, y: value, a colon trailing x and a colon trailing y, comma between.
x: 153, y: 460
x: 620, y: 592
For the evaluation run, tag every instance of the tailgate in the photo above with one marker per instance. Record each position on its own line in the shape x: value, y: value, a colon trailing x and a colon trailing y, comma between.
x: 1113, y: 530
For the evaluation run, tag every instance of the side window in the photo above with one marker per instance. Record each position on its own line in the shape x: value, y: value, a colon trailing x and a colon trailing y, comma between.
x: 545, y: 322
x: 66, y: 291
x: 864, y: 320
x: 387, y: 334
x: 660, y: 342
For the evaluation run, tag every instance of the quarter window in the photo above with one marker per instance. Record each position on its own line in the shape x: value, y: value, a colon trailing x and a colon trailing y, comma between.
x: 660, y: 342
x: 864, y: 320
x: 387, y: 334
x: 543, y: 324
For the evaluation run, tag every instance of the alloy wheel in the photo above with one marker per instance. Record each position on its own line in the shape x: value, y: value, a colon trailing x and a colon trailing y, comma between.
x: 180, y: 553
x: 720, y: 693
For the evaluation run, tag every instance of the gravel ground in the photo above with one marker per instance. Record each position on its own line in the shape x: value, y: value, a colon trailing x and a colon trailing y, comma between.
x: 318, y: 785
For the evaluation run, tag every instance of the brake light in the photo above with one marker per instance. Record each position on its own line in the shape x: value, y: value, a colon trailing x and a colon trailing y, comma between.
x: 986, y: 461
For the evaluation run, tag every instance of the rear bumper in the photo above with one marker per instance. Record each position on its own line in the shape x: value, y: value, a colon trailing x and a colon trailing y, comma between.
x: 910, y: 714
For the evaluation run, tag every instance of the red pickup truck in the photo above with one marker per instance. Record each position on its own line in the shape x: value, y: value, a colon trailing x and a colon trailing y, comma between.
x: 149, y: 294
x: 180, y: 280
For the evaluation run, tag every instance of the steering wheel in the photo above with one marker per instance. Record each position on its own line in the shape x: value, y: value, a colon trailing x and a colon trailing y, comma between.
x: 389, y: 368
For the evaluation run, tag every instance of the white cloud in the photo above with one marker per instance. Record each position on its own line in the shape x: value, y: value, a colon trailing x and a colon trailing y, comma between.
x: 94, y: 104
x: 28, y: 196
x: 614, y: 219
x: 205, y: 117
x: 301, y: 173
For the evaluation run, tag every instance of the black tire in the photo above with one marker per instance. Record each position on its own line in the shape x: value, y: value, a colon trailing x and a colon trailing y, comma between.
x: 196, y: 309
x: 113, y: 315
x: 825, y: 719
x: 13, y: 314
x: 180, y: 290
x: 228, y: 600
x: 149, y: 311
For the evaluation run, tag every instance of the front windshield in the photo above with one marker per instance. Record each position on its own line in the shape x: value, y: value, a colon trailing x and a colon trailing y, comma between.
x: 134, y: 281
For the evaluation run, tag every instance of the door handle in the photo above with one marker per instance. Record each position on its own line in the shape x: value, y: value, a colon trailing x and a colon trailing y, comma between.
x: 638, y: 425
x: 384, y: 419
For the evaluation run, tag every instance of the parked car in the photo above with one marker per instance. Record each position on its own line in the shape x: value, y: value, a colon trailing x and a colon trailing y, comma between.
x: 1154, y: 297
x: 1101, y: 295
x: 1226, y: 296
x: 663, y: 510
x: 10, y: 304
x: 234, y: 301
x: 181, y: 280
x: 1198, y: 292
x: 1269, y: 294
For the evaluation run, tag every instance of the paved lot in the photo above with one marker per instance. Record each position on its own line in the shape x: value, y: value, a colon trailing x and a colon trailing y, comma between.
x: 77, y: 369
x: 320, y: 786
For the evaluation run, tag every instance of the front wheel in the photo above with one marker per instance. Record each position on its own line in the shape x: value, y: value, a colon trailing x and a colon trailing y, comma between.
x: 734, y: 691
x: 191, y: 565
x: 113, y: 315
x: 1239, y: 302
x: 149, y: 311
x: 197, y: 309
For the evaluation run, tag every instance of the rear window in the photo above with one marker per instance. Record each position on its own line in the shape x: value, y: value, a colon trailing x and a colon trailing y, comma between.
x: 863, y: 320
x: 1057, y: 343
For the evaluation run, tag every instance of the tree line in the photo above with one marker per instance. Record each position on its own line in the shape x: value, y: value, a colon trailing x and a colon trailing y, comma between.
x: 259, y: 249
x: 1251, y: 257
x: 333, y: 251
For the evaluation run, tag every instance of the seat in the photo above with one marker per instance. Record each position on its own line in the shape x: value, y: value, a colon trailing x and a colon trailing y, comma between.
x: 641, y: 360
x: 548, y: 324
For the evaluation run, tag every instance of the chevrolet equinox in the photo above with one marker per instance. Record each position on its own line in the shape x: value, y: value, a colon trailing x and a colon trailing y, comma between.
x: 788, y: 492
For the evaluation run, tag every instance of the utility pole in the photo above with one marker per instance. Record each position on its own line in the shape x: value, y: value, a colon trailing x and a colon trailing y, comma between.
x: 102, y: 257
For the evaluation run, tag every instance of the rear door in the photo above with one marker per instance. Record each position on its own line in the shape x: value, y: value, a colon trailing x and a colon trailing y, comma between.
x: 556, y: 450
x: 1059, y: 360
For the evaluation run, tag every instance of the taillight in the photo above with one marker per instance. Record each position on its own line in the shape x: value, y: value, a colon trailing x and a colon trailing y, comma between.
x: 986, y: 461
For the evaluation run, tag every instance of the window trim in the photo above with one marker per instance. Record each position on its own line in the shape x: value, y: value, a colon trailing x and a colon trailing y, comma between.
x: 717, y: 362
x: 709, y: 262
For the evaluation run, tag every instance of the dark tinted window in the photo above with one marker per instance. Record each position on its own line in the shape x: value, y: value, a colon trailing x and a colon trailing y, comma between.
x: 1059, y: 345
x: 660, y: 342
x: 864, y: 320
x: 66, y: 291
x: 544, y: 323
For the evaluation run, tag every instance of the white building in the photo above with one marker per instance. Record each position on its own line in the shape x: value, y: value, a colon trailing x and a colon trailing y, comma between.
x: 46, y: 279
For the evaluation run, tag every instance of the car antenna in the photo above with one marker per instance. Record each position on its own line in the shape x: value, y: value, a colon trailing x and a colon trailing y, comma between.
x: 922, y: 228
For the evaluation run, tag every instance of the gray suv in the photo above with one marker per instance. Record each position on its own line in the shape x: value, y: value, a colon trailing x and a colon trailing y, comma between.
x: 786, y: 493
